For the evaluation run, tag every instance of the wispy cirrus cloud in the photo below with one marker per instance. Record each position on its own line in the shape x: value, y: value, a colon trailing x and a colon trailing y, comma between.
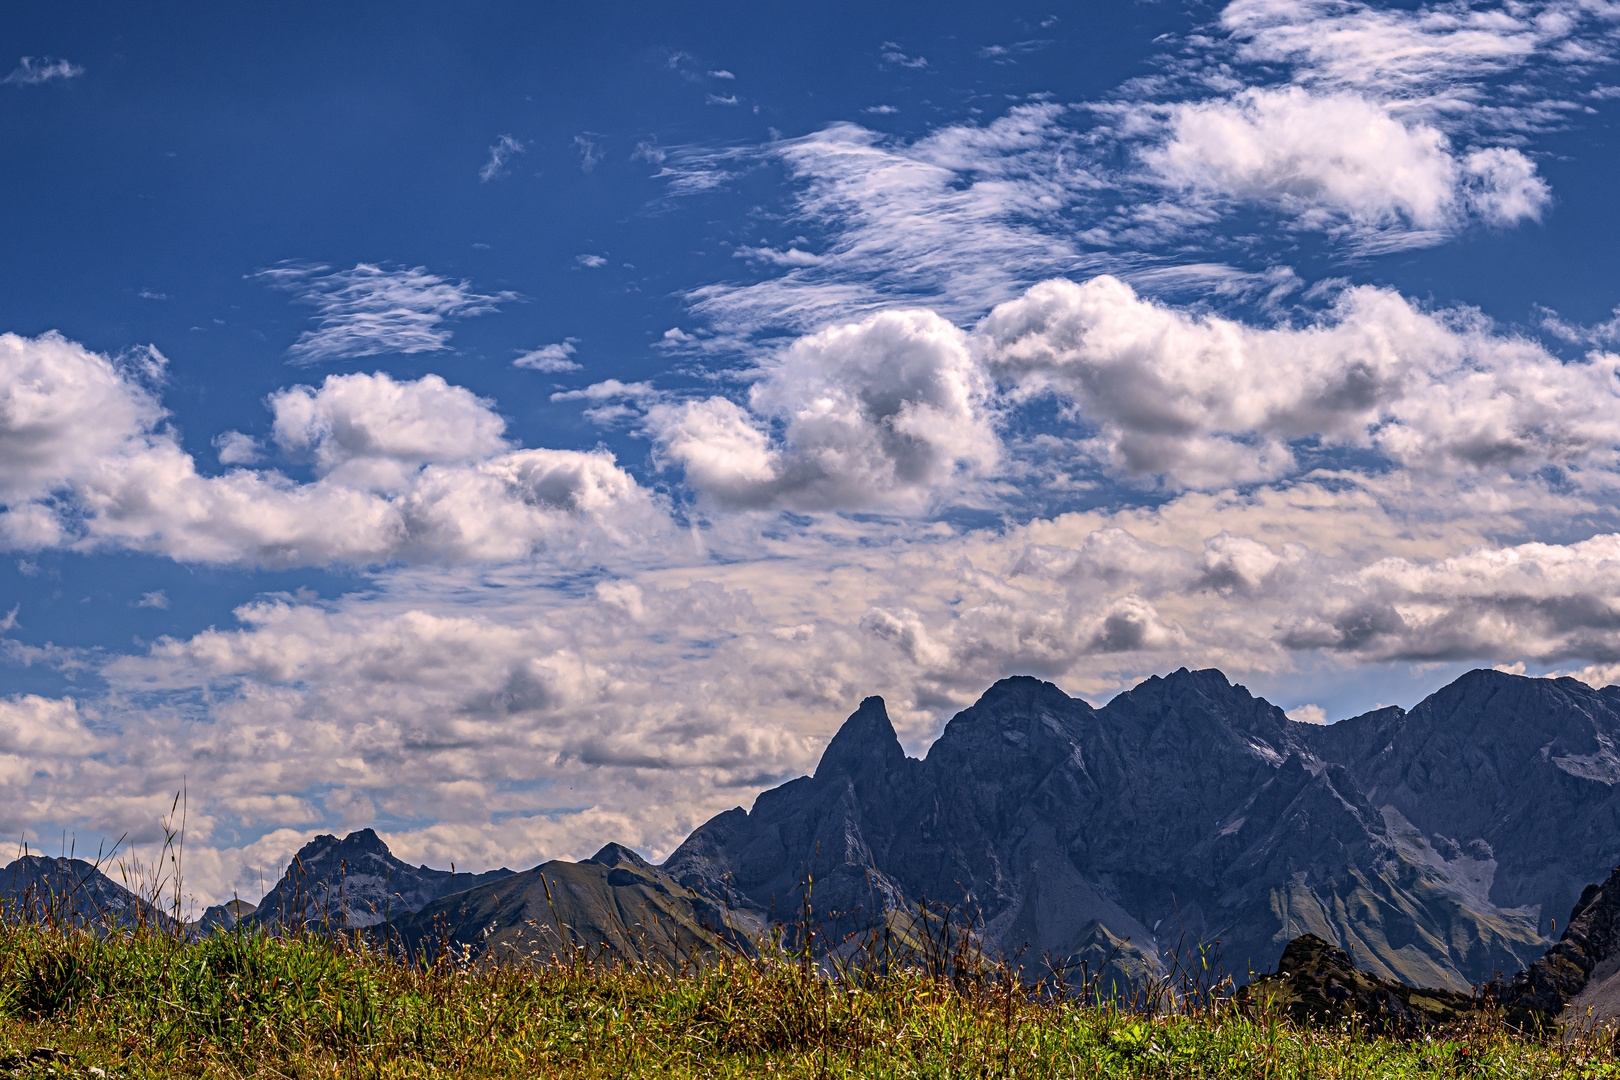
x: 31, y: 72
x: 504, y: 150
x: 1263, y: 114
x: 374, y: 309
x: 589, y: 154
x: 891, y: 54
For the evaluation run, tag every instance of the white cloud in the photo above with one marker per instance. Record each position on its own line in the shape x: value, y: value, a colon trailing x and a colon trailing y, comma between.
x: 550, y: 358
x: 235, y: 448
x: 157, y: 598
x: 369, y: 432
x: 413, y: 470
x: 589, y: 155
x: 30, y: 724
x: 64, y: 410
x: 958, y: 220
x: 504, y: 150
x: 1205, y: 401
x: 716, y: 99
x: 32, y: 72
x: 593, y: 262
x: 373, y: 309
x: 1427, y: 53
x: 1606, y: 332
x: 891, y: 54
x: 872, y: 414
x: 1308, y: 714
x: 1340, y: 159
x: 721, y: 74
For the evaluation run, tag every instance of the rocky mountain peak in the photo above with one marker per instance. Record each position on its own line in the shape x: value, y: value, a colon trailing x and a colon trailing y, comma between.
x: 1009, y: 711
x: 355, y: 881
x: 865, y: 745
x: 360, y: 842
x: 1207, y: 689
x: 618, y: 854
x: 1021, y: 692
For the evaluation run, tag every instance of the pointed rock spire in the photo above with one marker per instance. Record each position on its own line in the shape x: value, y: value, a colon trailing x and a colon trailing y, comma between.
x: 865, y: 746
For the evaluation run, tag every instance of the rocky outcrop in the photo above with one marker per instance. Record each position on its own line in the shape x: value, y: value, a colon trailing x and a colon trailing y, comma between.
x: 1187, y: 810
x: 1578, y: 979
x: 355, y: 882
x: 1318, y: 983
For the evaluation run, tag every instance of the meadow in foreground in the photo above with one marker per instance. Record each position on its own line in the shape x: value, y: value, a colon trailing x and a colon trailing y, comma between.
x: 146, y: 1004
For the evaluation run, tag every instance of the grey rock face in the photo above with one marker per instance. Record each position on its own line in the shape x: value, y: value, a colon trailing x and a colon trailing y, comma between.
x: 1422, y: 843
x: 355, y: 882
x: 1575, y: 980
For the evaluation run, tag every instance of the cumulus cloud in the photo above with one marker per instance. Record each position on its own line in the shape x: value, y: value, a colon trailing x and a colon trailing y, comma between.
x: 415, y: 470
x: 1340, y: 159
x: 65, y: 409
x: 550, y: 358
x: 870, y: 414
x: 235, y: 448
x: 371, y: 433
x: 374, y: 309
x: 1205, y: 401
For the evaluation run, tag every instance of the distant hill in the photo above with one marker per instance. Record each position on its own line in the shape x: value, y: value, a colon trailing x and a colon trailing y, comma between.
x: 614, y: 906
x: 222, y: 917
x: 354, y: 882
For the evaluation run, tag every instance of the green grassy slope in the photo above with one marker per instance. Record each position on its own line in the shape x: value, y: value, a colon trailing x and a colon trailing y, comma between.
x: 147, y: 1005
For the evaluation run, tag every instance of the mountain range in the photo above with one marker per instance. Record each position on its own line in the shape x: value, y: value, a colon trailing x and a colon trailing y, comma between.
x: 1436, y: 846
x: 355, y: 882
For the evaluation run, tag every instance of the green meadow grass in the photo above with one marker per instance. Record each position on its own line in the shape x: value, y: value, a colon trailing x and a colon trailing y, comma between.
x: 145, y: 1004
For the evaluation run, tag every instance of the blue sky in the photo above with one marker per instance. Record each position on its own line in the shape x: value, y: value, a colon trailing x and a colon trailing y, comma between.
x: 517, y: 428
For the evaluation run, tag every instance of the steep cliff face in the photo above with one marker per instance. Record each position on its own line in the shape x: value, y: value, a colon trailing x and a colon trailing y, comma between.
x: 1577, y: 981
x: 1418, y: 841
x: 353, y: 882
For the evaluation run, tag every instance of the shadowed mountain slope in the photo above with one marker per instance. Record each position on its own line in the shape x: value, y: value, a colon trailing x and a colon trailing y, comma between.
x: 1421, y: 842
x: 613, y: 905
